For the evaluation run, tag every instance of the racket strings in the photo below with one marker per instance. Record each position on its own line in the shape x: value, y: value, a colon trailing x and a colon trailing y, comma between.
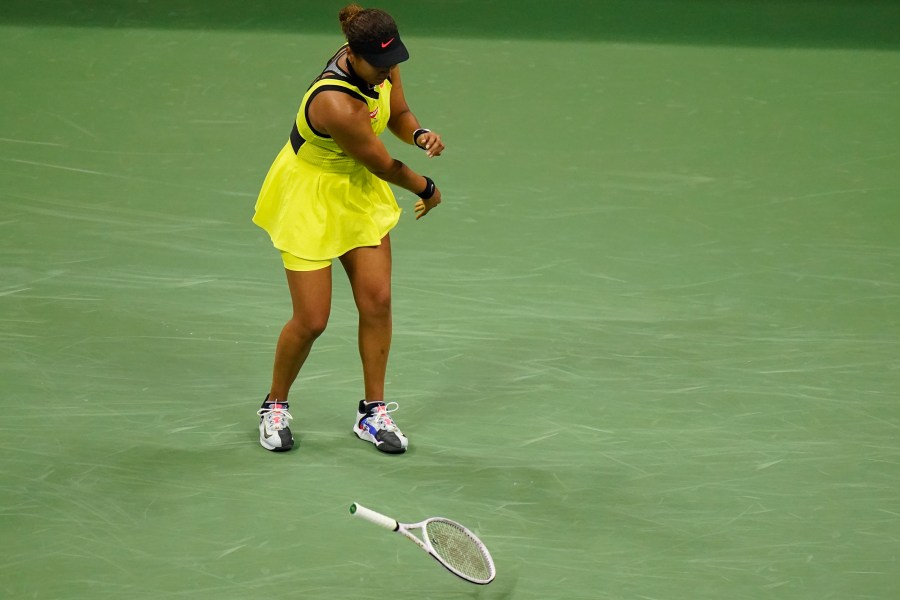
x: 461, y: 551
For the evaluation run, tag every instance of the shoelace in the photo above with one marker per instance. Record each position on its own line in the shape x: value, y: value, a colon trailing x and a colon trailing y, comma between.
x: 276, y: 418
x: 382, y: 416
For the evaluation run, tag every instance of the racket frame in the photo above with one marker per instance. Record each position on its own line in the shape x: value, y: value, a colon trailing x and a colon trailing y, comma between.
x: 358, y: 510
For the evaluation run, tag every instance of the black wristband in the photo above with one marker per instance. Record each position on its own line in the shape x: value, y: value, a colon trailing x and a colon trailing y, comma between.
x: 429, y: 190
x: 416, y: 135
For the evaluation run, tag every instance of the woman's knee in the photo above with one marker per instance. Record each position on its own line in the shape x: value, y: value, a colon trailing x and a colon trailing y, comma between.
x: 310, y: 325
x: 376, y: 302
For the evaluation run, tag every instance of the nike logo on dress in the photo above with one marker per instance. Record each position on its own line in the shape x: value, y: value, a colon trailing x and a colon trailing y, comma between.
x: 387, y: 43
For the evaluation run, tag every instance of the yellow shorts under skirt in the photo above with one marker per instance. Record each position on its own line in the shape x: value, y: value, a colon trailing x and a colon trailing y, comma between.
x: 317, y: 206
x: 295, y: 263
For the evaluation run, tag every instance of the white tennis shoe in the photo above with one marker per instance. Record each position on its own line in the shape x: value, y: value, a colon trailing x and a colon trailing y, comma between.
x: 374, y: 424
x: 274, y: 430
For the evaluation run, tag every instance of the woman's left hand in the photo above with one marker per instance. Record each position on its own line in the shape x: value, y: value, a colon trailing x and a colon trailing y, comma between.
x: 431, y: 143
x: 423, y: 207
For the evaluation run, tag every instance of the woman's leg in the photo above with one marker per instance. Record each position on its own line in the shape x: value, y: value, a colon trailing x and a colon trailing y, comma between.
x: 369, y: 271
x: 311, y: 301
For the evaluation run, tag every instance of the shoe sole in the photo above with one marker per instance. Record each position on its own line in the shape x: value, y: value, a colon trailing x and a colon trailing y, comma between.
x: 386, y: 450
x: 272, y: 448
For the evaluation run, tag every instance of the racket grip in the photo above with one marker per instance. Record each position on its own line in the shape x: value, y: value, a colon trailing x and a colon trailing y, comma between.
x: 370, y: 515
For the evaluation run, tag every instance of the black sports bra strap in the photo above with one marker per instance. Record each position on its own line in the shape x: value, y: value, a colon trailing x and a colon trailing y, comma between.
x: 296, y: 139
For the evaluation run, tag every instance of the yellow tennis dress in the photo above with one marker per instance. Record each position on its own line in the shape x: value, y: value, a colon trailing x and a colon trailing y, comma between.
x: 317, y: 202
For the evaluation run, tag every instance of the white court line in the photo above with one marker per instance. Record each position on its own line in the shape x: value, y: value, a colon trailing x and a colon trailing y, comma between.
x: 30, y: 142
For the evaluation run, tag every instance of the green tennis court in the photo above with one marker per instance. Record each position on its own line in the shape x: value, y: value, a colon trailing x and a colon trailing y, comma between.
x: 647, y: 348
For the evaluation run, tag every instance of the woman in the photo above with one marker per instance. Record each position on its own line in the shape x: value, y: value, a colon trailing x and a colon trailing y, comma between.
x: 326, y: 196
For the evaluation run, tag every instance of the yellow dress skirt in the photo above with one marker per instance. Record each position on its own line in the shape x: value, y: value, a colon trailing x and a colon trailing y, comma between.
x: 318, y: 204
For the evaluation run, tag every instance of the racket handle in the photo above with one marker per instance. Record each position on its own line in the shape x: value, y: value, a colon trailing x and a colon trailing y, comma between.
x: 370, y: 515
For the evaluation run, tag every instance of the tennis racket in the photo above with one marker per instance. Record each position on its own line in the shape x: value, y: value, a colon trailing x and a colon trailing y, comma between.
x: 455, y: 547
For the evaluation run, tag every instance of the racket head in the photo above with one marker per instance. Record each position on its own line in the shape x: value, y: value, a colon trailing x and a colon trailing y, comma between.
x: 458, y: 550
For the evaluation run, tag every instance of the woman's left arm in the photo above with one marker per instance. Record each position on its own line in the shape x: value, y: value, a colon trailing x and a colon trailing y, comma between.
x: 404, y: 124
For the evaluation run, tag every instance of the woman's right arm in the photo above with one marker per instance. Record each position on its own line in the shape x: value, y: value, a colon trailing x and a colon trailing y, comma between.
x: 346, y: 120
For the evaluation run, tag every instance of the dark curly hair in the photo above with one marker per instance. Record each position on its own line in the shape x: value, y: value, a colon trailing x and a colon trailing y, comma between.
x: 365, y: 26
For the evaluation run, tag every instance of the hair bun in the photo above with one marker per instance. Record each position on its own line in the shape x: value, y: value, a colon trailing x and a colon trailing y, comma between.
x: 347, y: 14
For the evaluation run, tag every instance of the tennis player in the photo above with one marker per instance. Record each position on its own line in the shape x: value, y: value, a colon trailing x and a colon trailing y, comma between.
x: 326, y: 197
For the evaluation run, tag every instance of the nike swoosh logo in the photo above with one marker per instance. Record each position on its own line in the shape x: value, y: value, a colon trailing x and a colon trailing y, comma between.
x: 387, y: 43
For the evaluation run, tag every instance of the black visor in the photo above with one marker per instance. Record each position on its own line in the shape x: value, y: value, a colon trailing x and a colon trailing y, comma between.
x: 383, y: 53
